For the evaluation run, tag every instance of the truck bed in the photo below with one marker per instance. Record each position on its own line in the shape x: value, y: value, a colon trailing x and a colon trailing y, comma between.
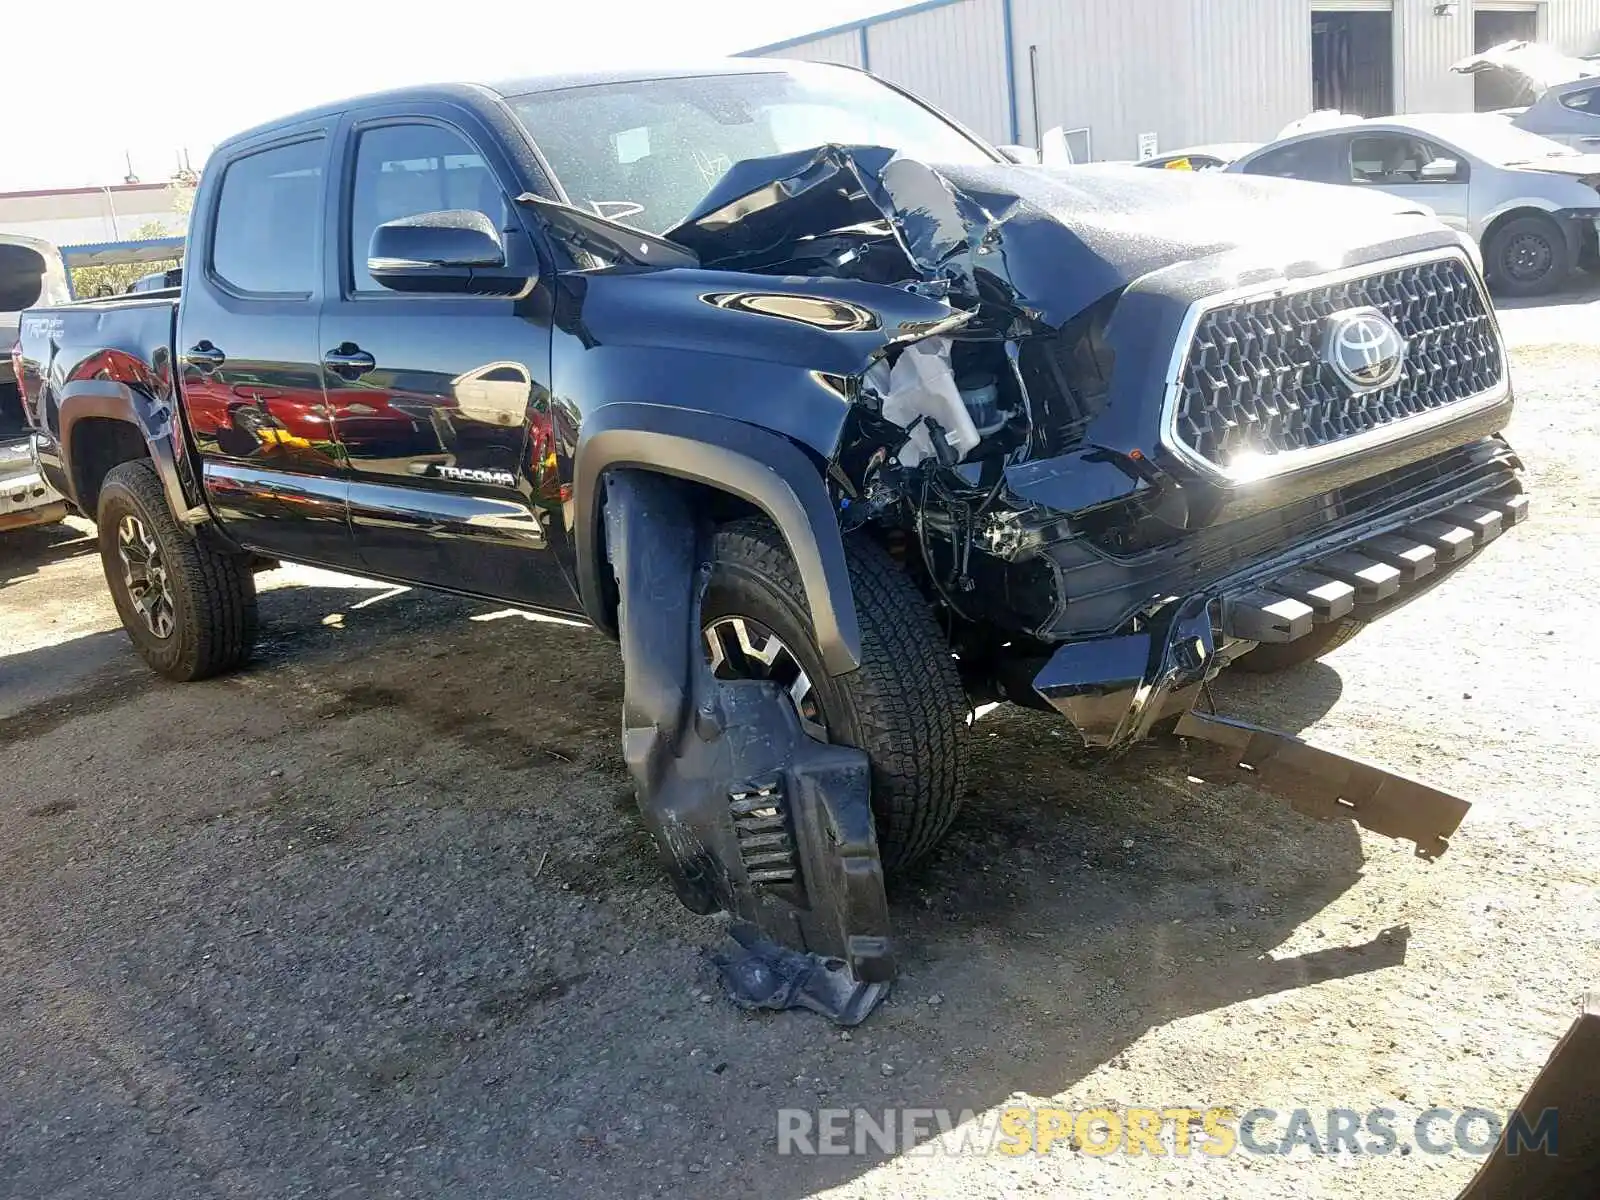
x: 126, y: 339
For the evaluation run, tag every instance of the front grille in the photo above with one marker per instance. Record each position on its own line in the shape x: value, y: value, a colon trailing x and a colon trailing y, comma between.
x: 1254, y: 382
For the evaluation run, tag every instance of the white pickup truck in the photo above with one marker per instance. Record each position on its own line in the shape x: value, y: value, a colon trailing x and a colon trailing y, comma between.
x: 31, y: 272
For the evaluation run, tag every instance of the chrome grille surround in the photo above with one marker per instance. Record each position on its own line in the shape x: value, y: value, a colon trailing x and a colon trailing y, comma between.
x: 1250, y: 396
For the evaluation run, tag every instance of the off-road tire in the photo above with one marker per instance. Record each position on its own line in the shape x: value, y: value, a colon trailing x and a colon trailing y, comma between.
x: 1499, y: 249
x: 904, y: 706
x: 213, y: 593
x: 1280, y: 656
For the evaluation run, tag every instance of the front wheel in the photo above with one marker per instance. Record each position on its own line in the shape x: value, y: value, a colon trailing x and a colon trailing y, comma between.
x: 1528, y: 256
x: 904, y: 706
x: 189, y: 610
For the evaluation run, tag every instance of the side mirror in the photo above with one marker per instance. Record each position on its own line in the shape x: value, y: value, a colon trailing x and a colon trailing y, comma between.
x: 1023, y: 156
x: 437, y: 252
x: 1446, y: 170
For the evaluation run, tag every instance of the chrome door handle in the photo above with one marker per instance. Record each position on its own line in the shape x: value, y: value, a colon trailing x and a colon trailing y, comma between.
x: 205, y: 356
x: 349, y: 361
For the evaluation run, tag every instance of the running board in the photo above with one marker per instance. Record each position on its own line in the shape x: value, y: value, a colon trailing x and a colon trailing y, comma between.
x: 1325, y: 784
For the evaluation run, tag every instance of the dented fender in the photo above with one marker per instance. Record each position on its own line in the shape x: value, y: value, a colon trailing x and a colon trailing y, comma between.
x: 783, y: 354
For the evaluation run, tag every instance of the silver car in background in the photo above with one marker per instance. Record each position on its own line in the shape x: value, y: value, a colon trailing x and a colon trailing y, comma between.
x: 1211, y: 157
x: 1530, y: 204
x: 31, y: 272
x: 1561, y: 94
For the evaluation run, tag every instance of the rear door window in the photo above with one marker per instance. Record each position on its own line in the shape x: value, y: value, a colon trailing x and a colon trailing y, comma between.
x: 1397, y: 158
x: 1586, y: 101
x: 264, y: 241
x: 1298, y: 160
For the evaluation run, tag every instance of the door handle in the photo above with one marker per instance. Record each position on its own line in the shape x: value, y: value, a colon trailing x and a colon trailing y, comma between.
x: 205, y: 356
x: 348, y: 361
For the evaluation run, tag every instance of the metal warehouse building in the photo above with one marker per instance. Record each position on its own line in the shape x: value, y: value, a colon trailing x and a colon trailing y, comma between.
x: 1116, y: 72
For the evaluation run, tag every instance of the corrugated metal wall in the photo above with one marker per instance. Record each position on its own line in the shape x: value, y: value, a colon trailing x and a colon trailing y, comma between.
x: 1425, y: 46
x: 1251, y: 69
x: 841, y: 48
x: 953, y: 57
x: 1428, y: 44
x: 1574, y: 25
x: 1186, y: 70
x: 1189, y: 71
x: 1084, y: 82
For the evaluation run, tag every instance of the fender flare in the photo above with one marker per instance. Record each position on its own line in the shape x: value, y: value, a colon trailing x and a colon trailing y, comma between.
x: 760, y: 467
x: 117, y: 401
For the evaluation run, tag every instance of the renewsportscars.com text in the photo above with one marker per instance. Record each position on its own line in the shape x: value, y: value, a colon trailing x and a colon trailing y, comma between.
x: 1171, y: 1131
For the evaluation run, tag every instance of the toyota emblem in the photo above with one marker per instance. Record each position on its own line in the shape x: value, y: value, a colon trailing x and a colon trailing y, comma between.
x: 1364, y: 349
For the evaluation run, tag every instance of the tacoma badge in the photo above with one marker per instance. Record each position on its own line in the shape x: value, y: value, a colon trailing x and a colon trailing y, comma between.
x: 477, y: 475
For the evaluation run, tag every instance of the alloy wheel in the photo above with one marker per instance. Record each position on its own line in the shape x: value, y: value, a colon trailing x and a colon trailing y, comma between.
x: 742, y: 648
x: 144, y: 573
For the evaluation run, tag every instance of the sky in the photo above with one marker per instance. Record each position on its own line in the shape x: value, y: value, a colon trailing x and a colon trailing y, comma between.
x: 83, y: 82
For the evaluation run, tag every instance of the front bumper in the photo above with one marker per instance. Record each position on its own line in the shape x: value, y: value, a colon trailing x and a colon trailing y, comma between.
x: 1582, y: 227
x: 1116, y: 689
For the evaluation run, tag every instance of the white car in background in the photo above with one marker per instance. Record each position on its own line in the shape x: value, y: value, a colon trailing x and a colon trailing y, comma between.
x: 31, y: 272
x: 1562, y: 92
x: 1532, y: 205
x: 1211, y: 157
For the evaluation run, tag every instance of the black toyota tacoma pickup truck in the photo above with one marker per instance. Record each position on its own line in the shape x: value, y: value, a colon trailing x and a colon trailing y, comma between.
x: 840, y: 421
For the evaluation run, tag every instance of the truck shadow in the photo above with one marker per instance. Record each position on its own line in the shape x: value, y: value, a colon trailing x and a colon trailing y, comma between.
x: 1582, y: 288
x: 1074, y: 907
x: 1072, y: 910
x: 24, y: 551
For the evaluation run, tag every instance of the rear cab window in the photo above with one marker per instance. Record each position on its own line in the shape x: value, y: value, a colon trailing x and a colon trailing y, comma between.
x: 264, y: 238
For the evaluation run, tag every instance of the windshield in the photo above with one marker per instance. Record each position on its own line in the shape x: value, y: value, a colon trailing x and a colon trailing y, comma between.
x: 645, y: 152
x: 1504, y: 144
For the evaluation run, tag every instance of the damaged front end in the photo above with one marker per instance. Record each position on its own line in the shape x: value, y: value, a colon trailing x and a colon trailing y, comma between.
x: 1115, y: 449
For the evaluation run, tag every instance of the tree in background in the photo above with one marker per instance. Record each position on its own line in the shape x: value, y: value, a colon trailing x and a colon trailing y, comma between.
x: 91, y: 282
x: 182, y: 189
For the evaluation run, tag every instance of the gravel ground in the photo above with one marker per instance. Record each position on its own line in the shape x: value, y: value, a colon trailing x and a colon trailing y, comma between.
x: 376, y: 917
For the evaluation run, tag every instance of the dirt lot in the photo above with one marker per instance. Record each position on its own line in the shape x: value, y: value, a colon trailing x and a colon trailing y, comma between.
x: 376, y: 917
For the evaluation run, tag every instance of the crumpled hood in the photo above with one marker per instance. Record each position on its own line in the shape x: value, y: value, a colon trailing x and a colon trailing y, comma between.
x: 1077, y: 234
x: 1539, y: 68
x: 1048, y: 243
x: 1579, y: 166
